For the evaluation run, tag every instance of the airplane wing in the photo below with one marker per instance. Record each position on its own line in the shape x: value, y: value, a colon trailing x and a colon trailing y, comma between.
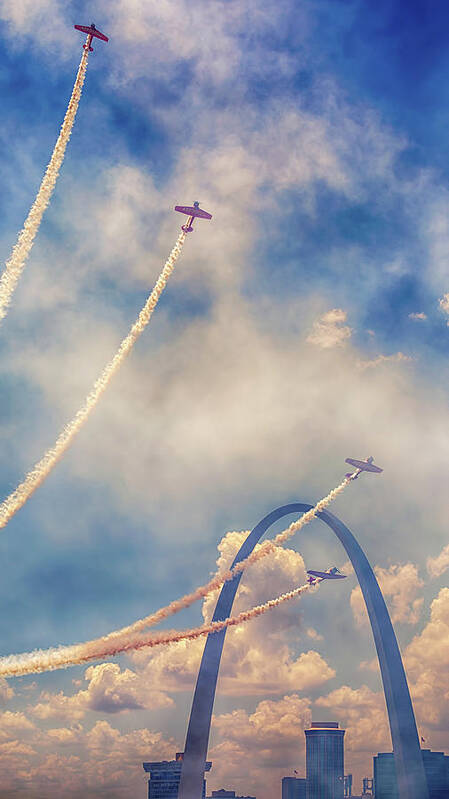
x: 363, y: 465
x: 325, y: 575
x: 202, y: 214
x: 101, y: 36
x: 186, y: 209
x: 91, y: 31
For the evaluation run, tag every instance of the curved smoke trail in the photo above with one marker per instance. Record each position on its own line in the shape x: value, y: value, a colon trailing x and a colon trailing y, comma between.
x: 15, y: 264
x: 222, y: 577
x: 127, y: 638
x: 52, y: 659
x: 42, y: 469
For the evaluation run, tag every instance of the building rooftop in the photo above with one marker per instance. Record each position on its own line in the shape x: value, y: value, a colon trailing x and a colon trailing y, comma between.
x: 332, y: 724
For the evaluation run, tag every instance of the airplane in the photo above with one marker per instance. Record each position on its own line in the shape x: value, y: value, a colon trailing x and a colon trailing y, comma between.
x: 196, y: 211
x: 330, y: 574
x: 362, y: 466
x: 92, y: 32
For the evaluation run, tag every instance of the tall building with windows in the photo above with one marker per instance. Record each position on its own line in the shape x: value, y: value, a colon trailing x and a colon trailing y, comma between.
x: 385, y: 783
x: 165, y: 776
x: 325, y: 760
x: 293, y: 788
x: 436, y: 769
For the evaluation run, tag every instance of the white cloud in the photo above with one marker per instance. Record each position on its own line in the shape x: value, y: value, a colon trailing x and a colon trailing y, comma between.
x: 262, y: 746
x: 397, y: 357
x: 206, y: 40
x: 110, y: 690
x: 329, y: 331
x: 427, y: 664
x: 74, y: 762
x: 363, y: 713
x: 438, y: 565
x: 417, y: 317
x: 14, y: 723
x: 400, y: 585
x: 30, y: 19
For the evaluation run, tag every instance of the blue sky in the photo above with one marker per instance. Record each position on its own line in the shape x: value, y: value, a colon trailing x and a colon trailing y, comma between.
x: 303, y: 324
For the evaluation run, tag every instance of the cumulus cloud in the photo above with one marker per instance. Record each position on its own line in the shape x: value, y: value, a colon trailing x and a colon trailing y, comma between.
x: 438, y: 565
x: 263, y: 745
x: 15, y: 723
x: 362, y: 711
x: 427, y: 663
x: 400, y: 585
x: 74, y: 762
x: 273, y: 721
x: 67, y: 736
x: 110, y: 690
x: 329, y: 331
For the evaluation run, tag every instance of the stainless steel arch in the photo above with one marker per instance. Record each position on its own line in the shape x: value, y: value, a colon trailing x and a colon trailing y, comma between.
x: 409, y: 765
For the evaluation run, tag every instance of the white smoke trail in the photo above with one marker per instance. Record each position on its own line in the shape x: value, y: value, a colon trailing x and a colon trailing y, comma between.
x: 14, y: 266
x: 42, y: 469
x: 222, y: 577
x: 52, y: 659
x: 126, y: 638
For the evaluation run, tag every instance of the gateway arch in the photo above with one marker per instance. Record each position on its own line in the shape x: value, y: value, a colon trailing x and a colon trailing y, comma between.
x: 408, y: 759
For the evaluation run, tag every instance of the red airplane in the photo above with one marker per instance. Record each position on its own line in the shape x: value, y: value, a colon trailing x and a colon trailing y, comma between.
x: 91, y: 32
x: 192, y: 213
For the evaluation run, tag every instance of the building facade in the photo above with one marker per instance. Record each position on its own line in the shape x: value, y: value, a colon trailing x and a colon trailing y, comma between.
x: 165, y: 776
x: 385, y: 783
x: 294, y: 788
x: 325, y: 760
x: 436, y: 769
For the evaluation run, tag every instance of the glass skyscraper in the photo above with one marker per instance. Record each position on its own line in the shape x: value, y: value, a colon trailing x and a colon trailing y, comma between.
x: 436, y: 769
x: 165, y: 776
x: 325, y: 760
x: 293, y: 788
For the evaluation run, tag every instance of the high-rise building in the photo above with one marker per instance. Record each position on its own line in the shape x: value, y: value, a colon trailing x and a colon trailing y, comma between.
x: 165, y: 776
x: 436, y: 769
x: 293, y: 788
x: 324, y: 760
x: 385, y: 783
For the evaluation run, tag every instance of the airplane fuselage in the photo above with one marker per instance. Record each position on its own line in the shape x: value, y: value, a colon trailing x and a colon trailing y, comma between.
x: 188, y: 227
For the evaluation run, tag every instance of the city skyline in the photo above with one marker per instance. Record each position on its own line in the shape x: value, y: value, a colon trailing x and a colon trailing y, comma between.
x: 304, y: 323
